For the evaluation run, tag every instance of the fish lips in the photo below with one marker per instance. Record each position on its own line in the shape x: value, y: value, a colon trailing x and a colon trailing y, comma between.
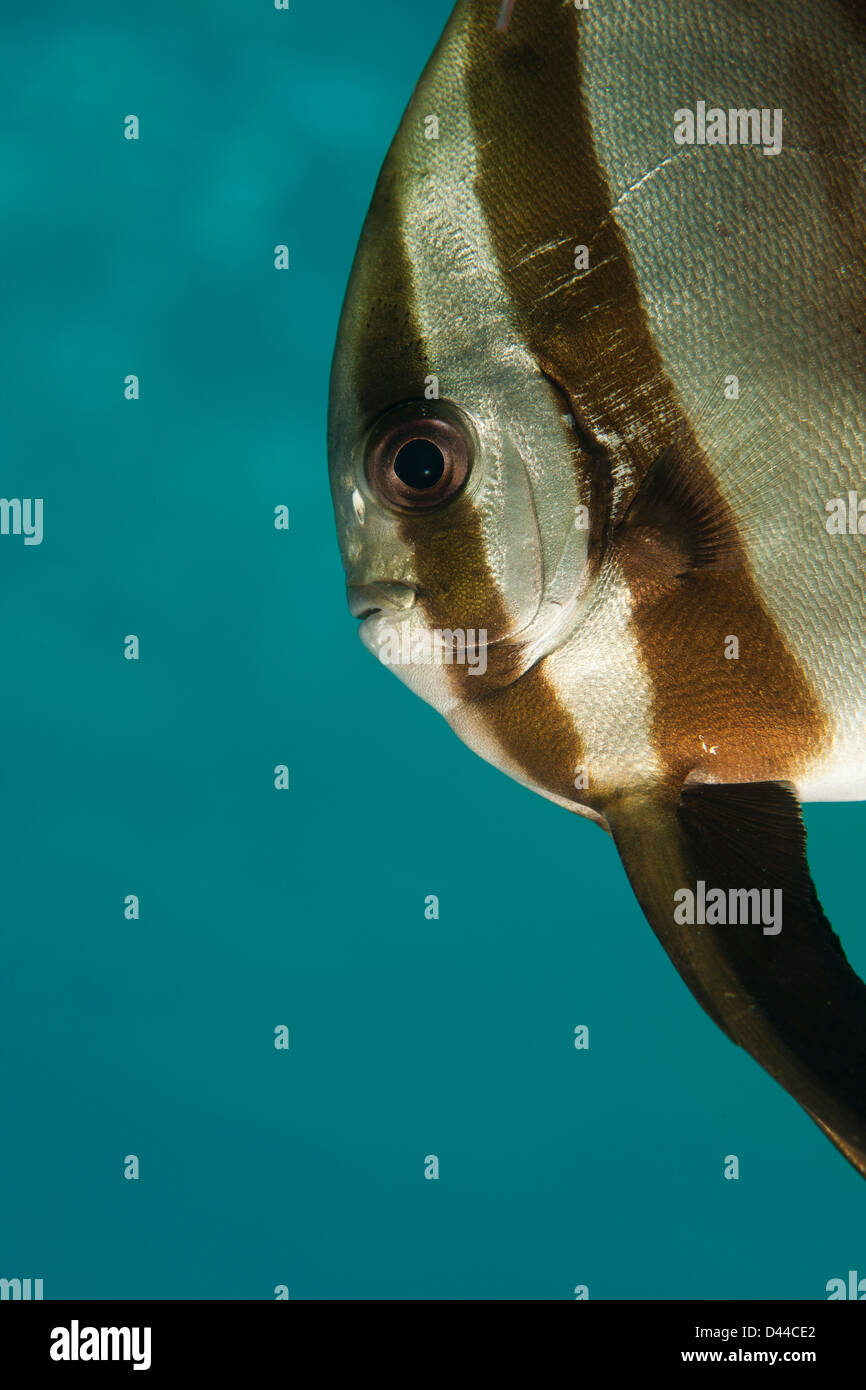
x: 365, y: 600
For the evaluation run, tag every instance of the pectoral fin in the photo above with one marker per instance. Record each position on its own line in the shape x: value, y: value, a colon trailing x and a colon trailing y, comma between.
x: 788, y: 995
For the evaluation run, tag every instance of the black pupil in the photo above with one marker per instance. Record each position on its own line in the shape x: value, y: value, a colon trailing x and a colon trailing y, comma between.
x: 419, y: 464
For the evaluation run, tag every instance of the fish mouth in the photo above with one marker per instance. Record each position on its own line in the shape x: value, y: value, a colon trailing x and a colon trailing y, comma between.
x: 366, y: 600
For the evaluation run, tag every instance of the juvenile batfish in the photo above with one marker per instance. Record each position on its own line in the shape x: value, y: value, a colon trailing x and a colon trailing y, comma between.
x: 596, y: 460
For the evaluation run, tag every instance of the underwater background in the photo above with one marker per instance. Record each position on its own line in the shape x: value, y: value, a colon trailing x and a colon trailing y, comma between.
x: 155, y: 1037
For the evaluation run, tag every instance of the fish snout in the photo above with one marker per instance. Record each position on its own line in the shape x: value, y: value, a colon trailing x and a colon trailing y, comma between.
x: 367, y: 599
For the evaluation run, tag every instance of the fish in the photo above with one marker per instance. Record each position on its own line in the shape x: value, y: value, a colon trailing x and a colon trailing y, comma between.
x: 595, y: 439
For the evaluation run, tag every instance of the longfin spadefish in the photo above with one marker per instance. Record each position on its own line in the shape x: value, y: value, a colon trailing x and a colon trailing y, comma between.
x: 789, y: 997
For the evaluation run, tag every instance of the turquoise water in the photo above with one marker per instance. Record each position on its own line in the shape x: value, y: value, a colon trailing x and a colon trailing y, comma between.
x: 303, y: 908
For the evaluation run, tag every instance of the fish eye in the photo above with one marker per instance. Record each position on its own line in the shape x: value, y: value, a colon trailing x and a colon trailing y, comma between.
x: 420, y: 464
x: 418, y: 459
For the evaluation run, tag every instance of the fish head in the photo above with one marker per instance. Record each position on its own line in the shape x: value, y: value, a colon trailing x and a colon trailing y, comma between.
x: 456, y: 469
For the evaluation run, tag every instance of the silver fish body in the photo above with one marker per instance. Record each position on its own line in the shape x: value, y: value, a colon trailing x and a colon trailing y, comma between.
x: 595, y: 426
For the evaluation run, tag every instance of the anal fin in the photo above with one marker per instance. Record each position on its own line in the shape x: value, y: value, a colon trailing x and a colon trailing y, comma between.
x: 782, y: 989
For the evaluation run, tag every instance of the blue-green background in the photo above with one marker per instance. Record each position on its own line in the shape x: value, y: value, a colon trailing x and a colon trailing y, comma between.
x: 304, y: 907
